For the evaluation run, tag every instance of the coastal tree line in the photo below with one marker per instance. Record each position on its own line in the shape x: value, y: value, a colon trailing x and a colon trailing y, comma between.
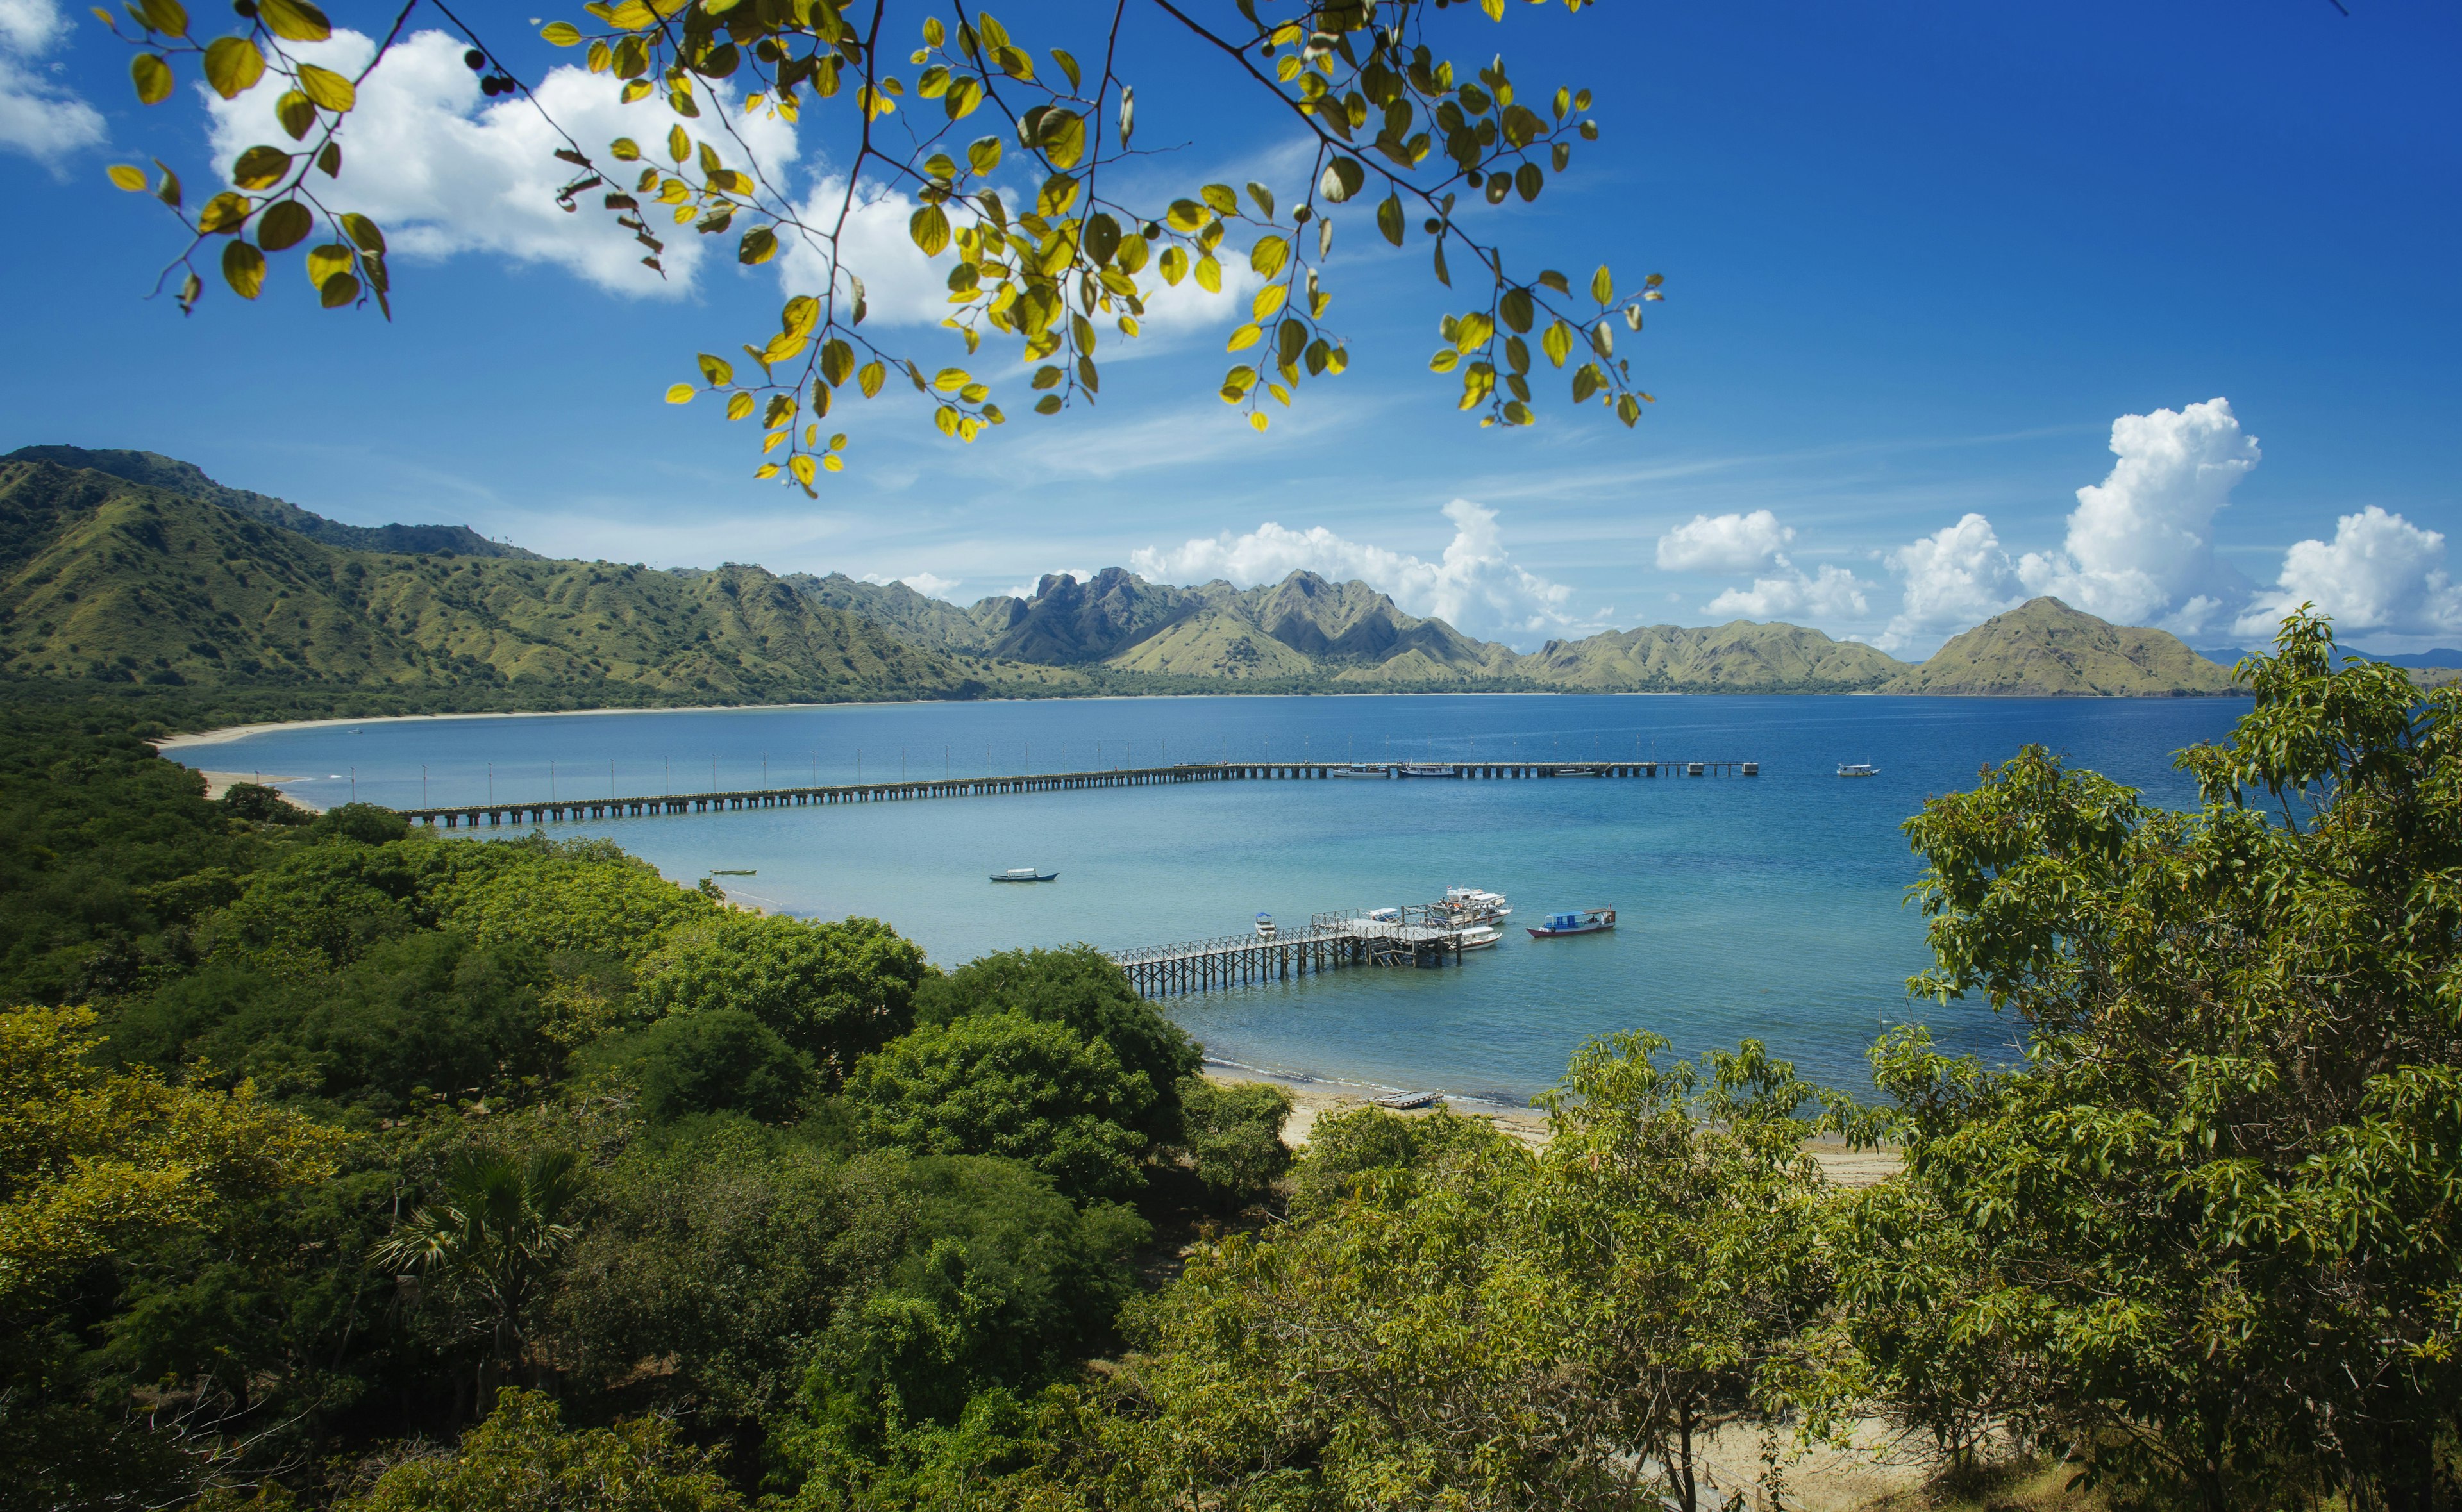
x: 343, y: 1164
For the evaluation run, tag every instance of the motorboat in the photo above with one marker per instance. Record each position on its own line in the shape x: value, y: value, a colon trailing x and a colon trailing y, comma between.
x: 1427, y: 769
x: 1480, y: 936
x: 1361, y: 768
x: 1025, y: 874
x: 1472, y: 906
x: 1580, y: 921
x: 1264, y: 927
x: 1384, y: 915
x: 1857, y: 768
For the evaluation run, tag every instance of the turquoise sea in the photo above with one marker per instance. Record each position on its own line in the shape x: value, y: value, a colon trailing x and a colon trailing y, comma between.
x: 1768, y: 907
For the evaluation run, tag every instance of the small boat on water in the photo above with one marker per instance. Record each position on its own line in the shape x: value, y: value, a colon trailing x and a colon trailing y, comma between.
x: 1858, y: 768
x: 1025, y: 874
x: 1404, y: 1102
x: 1264, y: 927
x: 1362, y: 768
x: 1427, y: 769
x: 1474, y: 905
x: 1580, y: 921
x: 1480, y: 936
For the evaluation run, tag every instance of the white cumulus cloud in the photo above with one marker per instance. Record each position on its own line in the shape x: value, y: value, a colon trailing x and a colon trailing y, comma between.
x: 927, y: 584
x: 1954, y: 578
x: 445, y: 171
x: 2380, y: 572
x: 1474, y: 586
x: 40, y: 117
x: 1724, y: 543
x: 2140, y: 546
x: 1832, y: 593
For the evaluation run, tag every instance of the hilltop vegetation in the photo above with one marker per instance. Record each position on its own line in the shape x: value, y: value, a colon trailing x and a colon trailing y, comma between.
x: 344, y: 1165
x: 140, y: 570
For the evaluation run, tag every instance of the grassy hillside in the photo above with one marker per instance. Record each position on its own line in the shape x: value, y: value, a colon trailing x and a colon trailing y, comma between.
x: 174, y: 476
x: 2045, y: 649
x: 106, y: 581
x: 1738, y: 657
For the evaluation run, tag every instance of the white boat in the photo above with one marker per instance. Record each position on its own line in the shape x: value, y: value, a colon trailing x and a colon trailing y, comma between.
x: 1474, y: 905
x: 1404, y: 1102
x: 1426, y: 768
x: 1264, y: 927
x: 1025, y: 874
x: 1362, y: 768
x: 1385, y: 915
x: 1480, y: 936
x: 1857, y: 768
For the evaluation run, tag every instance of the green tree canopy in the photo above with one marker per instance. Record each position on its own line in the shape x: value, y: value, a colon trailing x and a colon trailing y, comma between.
x: 1003, y: 1084
x: 724, y: 1060
x: 836, y: 991
x: 2206, y: 1233
x: 524, y: 1458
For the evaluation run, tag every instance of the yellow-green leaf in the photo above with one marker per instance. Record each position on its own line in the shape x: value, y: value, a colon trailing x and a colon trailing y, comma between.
x: 1557, y: 342
x: 1263, y: 198
x: 759, y: 244
x: 133, y: 179
x: 223, y: 213
x: 296, y: 112
x: 1341, y: 179
x: 1064, y: 137
x: 294, y: 21
x: 363, y: 231
x: 561, y: 33
x: 738, y: 405
x: 799, y: 316
x: 680, y: 392
x: 260, y: 167
x: 1268, y: 256
x: 1209, y: 275
x: 338, y: 290
x: 1220, y: 199
x: 1389, y: 219
x: 327, y: 88
x: 929, y: 227
x: 283, y: 225
x: 152, y: 77
x: 950, y: 379
x: 802, y: 468
x: 717, y: 370
x: 1269, y: 300
x: 327, y: 261
x: 233, y: 65
x: 873, y: 376
x: 242, y: 269
x: 1602, y: 285
x: 1244, y: 337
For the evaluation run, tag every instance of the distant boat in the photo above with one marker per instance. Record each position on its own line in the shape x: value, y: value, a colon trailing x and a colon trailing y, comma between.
x: 1404, y: 1102
x: 1025, y: 874
x: 1264, y: 927
x: 1581, y: 921
x: 735, y: 874
x: 1480, y: 936
x: 1363, y: 769
x: 1426, y: 768
x: 1857, y: 768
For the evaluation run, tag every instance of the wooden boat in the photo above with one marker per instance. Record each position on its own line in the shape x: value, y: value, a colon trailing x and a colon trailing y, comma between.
x: 1581, y: 921
x: 1025, y: 874
x: 1264, y: 927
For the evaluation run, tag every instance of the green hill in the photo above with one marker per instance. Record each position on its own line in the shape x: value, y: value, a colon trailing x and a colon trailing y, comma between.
x: 106, y: 580
x: 2045, y: 649
x: 1738, y: 657
x: 174, y: 476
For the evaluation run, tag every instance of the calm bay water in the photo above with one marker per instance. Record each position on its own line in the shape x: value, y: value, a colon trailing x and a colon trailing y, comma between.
x: 1767, y: 907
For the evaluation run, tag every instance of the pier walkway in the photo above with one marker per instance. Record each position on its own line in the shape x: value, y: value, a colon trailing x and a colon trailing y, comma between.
x: 1420, y: 937
x: 560, y: 811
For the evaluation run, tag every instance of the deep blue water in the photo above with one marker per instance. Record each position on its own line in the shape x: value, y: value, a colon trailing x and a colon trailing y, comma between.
x: 1768, y: 907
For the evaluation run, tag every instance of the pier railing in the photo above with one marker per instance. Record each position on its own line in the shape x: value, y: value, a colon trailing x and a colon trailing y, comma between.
x: 561, y: 810
x: 1331, y: 942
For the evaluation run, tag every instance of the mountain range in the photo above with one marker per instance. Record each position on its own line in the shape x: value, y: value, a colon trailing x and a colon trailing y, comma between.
x: 130, y: 567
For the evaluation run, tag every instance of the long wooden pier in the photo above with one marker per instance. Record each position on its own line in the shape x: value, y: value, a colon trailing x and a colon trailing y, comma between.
x: 559, y: 811
x: 1329, y: 943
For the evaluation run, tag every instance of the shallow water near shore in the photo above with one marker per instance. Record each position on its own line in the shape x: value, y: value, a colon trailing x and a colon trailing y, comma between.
x: 1767, y: 907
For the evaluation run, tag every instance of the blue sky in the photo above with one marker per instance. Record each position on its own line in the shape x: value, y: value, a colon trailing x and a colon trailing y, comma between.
x: 1925, y: 264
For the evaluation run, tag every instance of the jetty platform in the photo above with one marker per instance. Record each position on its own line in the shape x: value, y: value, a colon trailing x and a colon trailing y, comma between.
x: 1418, y: 937
x: 561, y: 810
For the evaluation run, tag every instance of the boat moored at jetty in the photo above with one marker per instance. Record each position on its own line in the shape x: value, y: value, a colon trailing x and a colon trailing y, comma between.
x: 1025, y: 874
x: 1264, y: 927
x: 1580, y: 921
x: 1480, y: 936
x: 1857, y: 768
x: 1474, y: 905
x: 1362, y: 768
x: 1427, y: 769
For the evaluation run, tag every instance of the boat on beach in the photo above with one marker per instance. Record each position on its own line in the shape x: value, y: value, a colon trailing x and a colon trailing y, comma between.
x: 1025, y: 874
x: 1264, y: 927
x: 1580, y: 921
x: 1858, y: 768
x: 1404, y: 1102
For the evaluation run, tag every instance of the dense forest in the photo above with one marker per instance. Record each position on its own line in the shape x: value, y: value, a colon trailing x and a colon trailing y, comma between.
x: 346, y: 1165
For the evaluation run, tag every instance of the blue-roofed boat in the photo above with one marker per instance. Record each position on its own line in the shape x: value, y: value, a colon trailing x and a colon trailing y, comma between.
x: 1580, y: 921
x: 1264, y: 927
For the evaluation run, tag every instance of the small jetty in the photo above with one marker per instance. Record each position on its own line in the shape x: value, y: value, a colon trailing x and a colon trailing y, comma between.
x: 1415, y: 935
x: 563, y: 811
